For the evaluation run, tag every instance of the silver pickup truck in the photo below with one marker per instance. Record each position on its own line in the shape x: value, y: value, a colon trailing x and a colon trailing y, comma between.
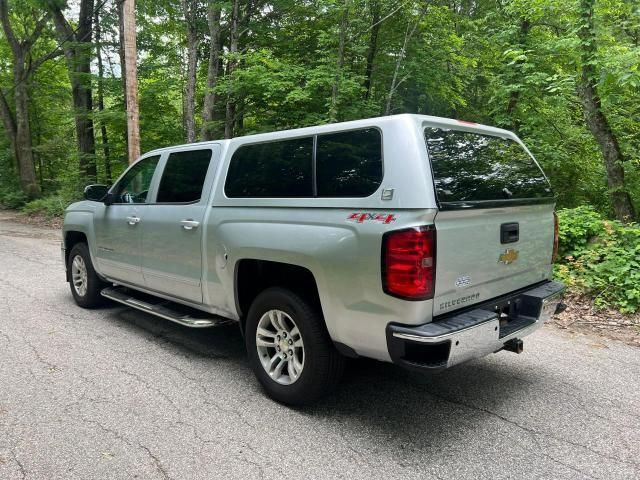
x: 418, y: 240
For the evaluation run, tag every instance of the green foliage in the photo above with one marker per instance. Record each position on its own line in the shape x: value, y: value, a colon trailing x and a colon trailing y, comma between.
x: 600, y: 258
x: 68, y: 189
x: 12, y: 197
x: 52, y: 206
x: 578, y: 227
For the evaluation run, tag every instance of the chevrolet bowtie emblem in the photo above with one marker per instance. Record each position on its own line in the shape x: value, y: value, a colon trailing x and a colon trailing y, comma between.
x: 509, y: 256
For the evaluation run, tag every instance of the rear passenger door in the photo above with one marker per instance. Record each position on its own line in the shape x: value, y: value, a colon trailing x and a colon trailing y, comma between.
x: 172, y: 233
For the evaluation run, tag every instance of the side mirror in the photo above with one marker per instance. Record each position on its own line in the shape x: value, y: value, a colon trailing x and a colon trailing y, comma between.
x: 95, y: 193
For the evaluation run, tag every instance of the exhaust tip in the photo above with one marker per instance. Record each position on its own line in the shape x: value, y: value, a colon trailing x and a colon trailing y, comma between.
x: 514, y: 345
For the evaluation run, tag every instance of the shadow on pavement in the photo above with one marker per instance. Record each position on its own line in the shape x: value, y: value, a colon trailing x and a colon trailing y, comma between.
x: 373, y: 394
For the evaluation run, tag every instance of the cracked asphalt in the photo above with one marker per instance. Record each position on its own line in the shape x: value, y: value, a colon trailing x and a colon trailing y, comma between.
x: 118, y: 394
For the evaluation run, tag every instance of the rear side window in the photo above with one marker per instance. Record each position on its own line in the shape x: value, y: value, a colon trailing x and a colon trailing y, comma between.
x: 274, y: 169
x: 471, y: 167
x: 183, y: 176
x: 349, y: 164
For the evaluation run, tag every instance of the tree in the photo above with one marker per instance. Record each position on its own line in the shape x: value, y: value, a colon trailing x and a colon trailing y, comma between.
x: 342, y: 38
x: 190, y: 9
x: 213, y: 70
x: 595, y: 117
x: 234, y: 35
x: 77, y: 46
x: 17, y: 123
x: 131, y: 69
x: 514, y: 95
x: 373, y: 46
x: 395, y: 81
x: 103, y: 127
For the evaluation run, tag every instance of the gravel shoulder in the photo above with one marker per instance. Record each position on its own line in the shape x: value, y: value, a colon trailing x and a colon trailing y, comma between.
x: 581, y: 317
x: 115, y: 393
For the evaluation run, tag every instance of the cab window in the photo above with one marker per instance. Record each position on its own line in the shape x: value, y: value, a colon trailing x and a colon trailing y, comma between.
x: 183, y: 176
x: 134, y: 186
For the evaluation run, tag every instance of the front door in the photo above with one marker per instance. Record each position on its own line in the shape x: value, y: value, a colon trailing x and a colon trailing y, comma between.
x: 117, y: 226
x: 173, y: 226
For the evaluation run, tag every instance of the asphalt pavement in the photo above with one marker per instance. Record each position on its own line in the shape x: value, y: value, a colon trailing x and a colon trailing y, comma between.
x: 118, y: 394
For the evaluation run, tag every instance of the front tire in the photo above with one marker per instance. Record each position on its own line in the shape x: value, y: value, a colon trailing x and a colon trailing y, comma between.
x: 84, y: 281
x: 289, y: 348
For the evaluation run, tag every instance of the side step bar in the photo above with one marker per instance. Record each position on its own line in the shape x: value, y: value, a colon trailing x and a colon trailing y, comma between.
x: 189, y: 317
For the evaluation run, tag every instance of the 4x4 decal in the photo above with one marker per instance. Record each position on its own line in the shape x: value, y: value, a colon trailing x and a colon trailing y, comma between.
x: 374, y: 217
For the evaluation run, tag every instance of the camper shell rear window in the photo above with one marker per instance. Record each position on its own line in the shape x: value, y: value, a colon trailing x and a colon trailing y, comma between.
x: 471, y: 167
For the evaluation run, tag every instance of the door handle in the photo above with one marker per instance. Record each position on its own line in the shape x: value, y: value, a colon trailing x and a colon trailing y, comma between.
x: 133, y: 220
x: 189, y: 224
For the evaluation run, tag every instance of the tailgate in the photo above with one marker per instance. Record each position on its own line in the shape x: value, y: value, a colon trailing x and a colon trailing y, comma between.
x: 472, y: 263
x: 495, y: 221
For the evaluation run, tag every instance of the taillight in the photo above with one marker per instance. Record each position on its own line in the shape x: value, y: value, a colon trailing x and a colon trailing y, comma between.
x: 555, y: 237
x: 409, y: 262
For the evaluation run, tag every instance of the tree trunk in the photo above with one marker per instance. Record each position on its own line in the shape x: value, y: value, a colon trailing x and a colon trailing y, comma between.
x: 213, y: 19
x: 8, y: 122
x: 395, y: 83
x: 83, y: 98
x: 514, y: 96
x: 77, y: 50
x: 123, y: 70
x: 24, y: 148
x: 596, y: 119
x: 230, y: 116
x: 103, y: 127
x: 335, y: 90
x: 190, y: 14
x: 373, y: 47
x: 133, y: 125
x: 239, y: 125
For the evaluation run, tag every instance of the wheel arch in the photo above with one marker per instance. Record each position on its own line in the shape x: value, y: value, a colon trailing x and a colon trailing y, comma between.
x: 71, y: 239
x: 252, y: 276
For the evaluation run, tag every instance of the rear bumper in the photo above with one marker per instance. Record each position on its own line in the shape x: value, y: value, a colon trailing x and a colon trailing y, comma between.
x: 473, y: 333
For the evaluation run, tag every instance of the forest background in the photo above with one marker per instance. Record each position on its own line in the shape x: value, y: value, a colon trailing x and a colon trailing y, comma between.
x: 563, y: 74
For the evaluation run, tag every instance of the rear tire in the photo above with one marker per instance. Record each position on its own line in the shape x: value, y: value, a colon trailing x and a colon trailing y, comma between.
x: 84, y: 281
x: 292, y: 354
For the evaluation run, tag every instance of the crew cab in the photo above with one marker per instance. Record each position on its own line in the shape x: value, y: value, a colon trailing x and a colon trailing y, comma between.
x: 410, y: 239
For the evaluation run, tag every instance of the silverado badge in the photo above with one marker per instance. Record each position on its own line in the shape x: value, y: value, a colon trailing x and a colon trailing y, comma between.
x: 509, y: 256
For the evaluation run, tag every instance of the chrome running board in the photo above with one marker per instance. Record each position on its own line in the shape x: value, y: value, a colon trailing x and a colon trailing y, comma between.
x: 189, y: 317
